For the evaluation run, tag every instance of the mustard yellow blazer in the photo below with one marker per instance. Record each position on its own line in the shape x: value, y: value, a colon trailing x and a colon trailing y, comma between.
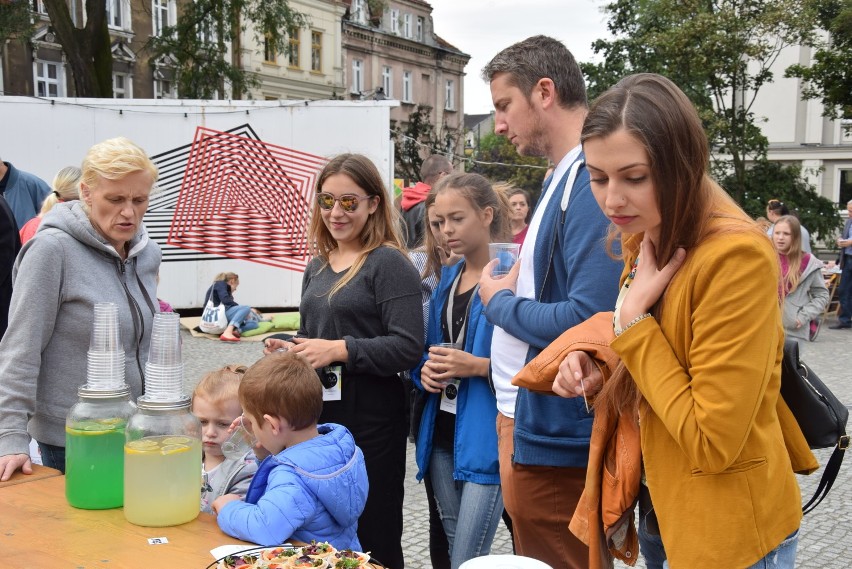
x: 716, y: 460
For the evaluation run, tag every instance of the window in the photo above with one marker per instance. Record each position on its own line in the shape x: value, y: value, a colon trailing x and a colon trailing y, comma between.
x: 163, y: 89
x: 118, y: 14
x: 357, y: 76
x: 845, y: 187
x: 49, y: 79
x: 293, y: 52
x: 394, y: 21
x: 359, y: 11
x: 161, y: 15
x: 406, y: 25
x: 38, y: 7
x: 316, y: 51
x: 387, y: 81
x: 406, y: 86
x: 419, y: 29
x: 449, y: 96
x: 270, y: 49
x: 122, y: 87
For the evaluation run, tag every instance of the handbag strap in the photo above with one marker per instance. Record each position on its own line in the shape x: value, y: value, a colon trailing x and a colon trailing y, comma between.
x: 829, y: 475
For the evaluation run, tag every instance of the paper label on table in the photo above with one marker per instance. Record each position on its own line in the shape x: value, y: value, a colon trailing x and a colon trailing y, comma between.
x: 157, y: 540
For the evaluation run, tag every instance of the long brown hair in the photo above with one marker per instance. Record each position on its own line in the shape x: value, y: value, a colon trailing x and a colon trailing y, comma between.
x: 656, y: 113
x: 382, y: 227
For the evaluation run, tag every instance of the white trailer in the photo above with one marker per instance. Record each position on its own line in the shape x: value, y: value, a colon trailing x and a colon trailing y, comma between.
x: 236, y: 177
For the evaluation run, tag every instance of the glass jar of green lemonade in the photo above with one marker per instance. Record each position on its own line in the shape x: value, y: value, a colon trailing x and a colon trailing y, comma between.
x: 162, y: 464
x: 94, y: 448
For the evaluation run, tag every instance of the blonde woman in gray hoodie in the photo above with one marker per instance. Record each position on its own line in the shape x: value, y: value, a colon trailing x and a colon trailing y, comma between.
x: 88, y: 251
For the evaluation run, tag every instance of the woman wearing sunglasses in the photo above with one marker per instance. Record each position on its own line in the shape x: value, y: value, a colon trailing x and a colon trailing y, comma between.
x: 359, y: 295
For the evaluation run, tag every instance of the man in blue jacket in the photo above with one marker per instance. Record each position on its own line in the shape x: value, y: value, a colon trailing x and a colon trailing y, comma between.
x: 563, y: 277
x: 23, y: 191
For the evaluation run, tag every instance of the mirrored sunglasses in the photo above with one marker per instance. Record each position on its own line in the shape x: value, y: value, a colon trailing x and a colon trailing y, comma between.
x: 348, y: 202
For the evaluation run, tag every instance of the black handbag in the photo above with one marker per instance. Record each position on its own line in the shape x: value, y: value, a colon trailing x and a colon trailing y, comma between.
x: 821, y: 416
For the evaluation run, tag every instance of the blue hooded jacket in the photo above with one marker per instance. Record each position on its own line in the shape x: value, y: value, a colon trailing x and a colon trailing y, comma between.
x: 575, y: 278
x: 475, y: 443
x: 315, y: 490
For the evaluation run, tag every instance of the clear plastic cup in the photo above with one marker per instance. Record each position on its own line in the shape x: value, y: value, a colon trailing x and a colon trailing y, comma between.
x: 165, y: 340
x: 105, y: 363
x: 106, y: 334
x: 506, y: 255
x: 453, y: 346
x: 241, y: 441
x: 164, y: 383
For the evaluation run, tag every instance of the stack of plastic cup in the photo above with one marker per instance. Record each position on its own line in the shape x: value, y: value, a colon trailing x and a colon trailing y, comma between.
x: 105, y: 370
x: 164, y: 370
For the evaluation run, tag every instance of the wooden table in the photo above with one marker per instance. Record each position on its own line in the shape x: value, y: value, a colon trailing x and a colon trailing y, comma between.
x: 39, y: 472
x: 39, y: 530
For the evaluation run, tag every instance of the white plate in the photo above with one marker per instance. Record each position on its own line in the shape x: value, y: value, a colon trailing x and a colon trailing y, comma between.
x: 504, y: 562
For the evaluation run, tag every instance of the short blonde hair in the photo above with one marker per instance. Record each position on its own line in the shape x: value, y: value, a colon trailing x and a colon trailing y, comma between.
x: 66, y: 187
x: 220, y: 386
x: 114, y: 159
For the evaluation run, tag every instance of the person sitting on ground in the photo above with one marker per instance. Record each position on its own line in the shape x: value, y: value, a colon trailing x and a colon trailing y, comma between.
x: 314, y: 484
x: 216, y: 405
x: 66, y: 188
x: 802, y: 288
x: 775, y: 209
x: 241, y: 318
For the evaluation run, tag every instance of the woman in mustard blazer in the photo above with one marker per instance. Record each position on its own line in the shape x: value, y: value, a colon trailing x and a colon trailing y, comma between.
x: 698, y: 330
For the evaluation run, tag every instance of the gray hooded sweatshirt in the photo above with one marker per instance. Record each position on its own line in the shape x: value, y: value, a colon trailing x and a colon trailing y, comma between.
x: 58, y: 277
x: 807, y: 302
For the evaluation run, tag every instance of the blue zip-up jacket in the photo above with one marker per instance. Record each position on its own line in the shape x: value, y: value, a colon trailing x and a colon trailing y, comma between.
x: 475, y: 442
x: 574, y: 278
x: 315, y: 490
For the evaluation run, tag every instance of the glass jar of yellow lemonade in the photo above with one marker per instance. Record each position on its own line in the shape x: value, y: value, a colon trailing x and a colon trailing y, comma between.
x: 162, y: 464
x: 94, y: 448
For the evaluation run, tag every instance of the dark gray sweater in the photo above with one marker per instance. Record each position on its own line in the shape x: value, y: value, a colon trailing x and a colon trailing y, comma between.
x: 379, y: 315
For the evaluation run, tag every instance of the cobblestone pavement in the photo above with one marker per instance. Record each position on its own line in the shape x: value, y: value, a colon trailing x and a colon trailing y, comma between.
x: 825, y: 532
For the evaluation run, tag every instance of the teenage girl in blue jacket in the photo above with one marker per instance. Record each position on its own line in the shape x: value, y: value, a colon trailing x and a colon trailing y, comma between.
x: 457, y: 442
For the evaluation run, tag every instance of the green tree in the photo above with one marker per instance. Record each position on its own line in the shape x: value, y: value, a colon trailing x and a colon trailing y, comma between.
x: 416, y: 139
x: 15, y: 20
x: 830, y: 76
x: 766, y: 180
x: 205, y: 32
x: 498, y: 160
x: 88, y: 50
x: 719, y: 52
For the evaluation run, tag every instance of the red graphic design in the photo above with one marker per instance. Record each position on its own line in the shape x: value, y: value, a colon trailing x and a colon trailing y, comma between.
x: 245, y: 199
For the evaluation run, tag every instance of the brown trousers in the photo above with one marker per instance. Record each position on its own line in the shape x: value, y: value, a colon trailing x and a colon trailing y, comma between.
x: 541, y: 501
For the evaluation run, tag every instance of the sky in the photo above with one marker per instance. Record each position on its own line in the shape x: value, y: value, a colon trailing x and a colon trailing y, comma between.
x: 481, y: 28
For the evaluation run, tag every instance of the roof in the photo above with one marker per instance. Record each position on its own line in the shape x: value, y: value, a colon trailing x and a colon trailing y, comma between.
x: 447, y: 45
x: 471, y: 121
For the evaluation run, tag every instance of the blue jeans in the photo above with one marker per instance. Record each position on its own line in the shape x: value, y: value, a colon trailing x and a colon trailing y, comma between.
x: 469, y: 512
x: 654, y: 552
x: 52, y: 456
x: 241, y: 316
x: 844, y: 292
x: 783, y: 556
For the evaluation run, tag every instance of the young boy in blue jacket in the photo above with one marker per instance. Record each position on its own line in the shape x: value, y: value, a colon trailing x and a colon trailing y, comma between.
x: 313, y: 486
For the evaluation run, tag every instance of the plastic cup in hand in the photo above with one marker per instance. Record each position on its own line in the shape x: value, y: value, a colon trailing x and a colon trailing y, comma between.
x: 240, y: 442
x: 452, y: 346
x: 506, y: 255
